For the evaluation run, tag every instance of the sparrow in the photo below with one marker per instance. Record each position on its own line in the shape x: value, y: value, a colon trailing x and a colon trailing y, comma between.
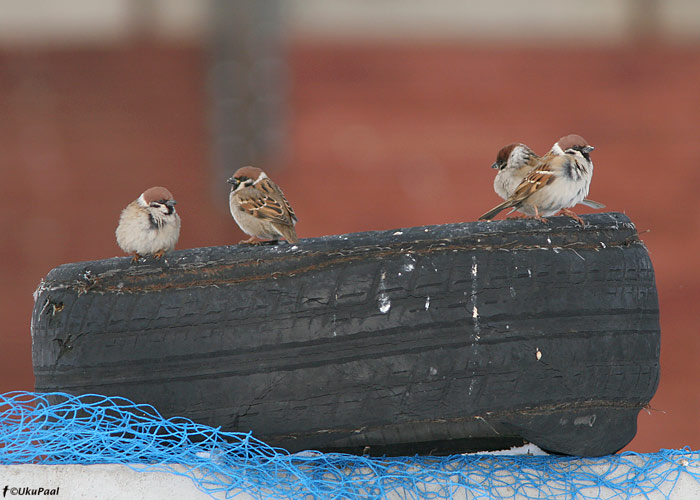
x: 514, y: 162
x: 149, y: 225
x: 558, y: 181
x: 259, y: 207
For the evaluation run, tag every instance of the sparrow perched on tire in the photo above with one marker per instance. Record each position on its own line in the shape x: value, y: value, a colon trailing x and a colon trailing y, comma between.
x: 557, y: 182
x: 514, y: 162
x: 259, y: 207
x: 149, y: 225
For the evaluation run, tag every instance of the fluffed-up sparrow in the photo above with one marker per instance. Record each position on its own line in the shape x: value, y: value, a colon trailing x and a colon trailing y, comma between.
x: 149, y: 225
x: 259, y: 207
x: 557, y: 182
x: 513, y: 162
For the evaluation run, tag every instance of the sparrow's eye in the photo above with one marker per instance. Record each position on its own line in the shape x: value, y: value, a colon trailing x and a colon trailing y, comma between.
x: 154, y: 204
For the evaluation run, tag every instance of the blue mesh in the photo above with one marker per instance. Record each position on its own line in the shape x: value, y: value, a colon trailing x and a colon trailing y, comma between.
x: 58, y: 428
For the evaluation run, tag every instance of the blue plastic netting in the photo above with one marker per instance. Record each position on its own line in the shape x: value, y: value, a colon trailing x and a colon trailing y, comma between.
x: 60, y: 428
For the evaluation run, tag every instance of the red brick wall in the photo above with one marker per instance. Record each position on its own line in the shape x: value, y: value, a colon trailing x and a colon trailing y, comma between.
x: 378, y: 137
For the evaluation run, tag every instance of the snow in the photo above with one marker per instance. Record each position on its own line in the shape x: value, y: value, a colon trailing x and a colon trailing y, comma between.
x: 527, y: 449
x: 384, y: 303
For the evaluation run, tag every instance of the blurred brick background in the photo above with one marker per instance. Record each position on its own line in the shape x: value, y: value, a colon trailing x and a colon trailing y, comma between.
x: 377, y: 135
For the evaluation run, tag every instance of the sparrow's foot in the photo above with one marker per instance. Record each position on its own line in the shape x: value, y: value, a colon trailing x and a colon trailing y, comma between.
x: 517, y: 216
x: 573, y: 215
x: 258, y: 242
x: 251, y: 241
x: 159, y: 254
x: 539, y: 217
x: 135, y: 258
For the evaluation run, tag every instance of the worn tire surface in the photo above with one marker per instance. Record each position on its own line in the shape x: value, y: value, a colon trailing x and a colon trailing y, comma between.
x: 440, y: 338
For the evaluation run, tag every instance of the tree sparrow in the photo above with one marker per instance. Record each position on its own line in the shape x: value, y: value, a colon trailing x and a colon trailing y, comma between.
x: 149, y: 225
x: 514, y: 162
x: 259, y: 207
x: 557, y: 182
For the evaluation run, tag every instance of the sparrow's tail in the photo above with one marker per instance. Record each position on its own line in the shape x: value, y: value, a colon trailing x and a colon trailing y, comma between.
x: 496, y: 210
x: 592, y: 204
x: 287, y: 232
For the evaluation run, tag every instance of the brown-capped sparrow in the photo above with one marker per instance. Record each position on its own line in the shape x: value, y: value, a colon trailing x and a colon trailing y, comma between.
x: 149, y: 225
x: 557, y: 182
x: 514, y: 162
x: 259, y: 207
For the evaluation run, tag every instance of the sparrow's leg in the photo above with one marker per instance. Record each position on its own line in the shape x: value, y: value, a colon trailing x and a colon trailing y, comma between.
x: 135, y: 258
x: 571, y: 214
x: 159, y: 254
x: 539, y: 217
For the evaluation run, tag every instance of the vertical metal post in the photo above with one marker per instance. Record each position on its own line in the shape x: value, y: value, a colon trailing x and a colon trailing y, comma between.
x: 645, y: 20
x: 246, y: 85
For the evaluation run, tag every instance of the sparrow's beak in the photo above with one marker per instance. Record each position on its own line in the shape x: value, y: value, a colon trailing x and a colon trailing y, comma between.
x: 232, y: 180
x: 588, y: 149
x: 495, y: 165
x: 171, y: 203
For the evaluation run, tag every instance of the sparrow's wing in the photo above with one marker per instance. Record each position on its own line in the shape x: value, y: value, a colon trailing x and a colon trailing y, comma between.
x: 273, y: 189
x: 541, y: 175
x: 262, y: 204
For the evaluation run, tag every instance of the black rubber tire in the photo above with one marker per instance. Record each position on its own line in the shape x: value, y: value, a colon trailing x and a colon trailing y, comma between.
x: 440, y: 338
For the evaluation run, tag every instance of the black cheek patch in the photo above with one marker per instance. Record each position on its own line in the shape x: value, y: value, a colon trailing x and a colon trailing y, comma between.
x: 569, y: 169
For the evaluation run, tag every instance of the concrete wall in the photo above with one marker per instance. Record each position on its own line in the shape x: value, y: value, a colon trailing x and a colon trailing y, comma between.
x: 108, y: 21
x: 119, y: 482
